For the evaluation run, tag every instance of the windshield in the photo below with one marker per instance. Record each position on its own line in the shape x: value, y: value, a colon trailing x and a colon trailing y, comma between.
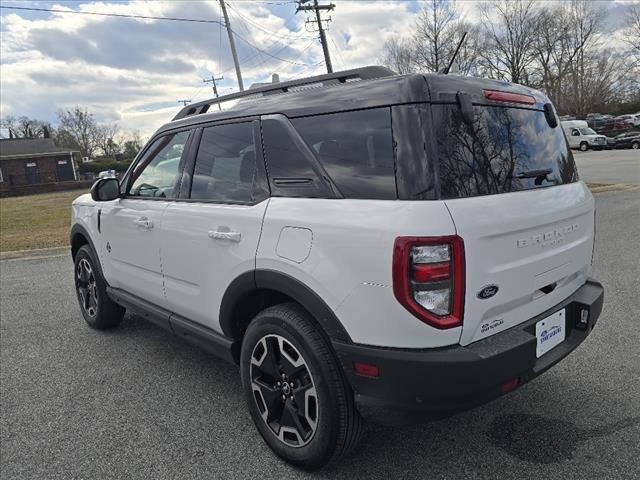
x: 587, y: 131
x: 504, y: 150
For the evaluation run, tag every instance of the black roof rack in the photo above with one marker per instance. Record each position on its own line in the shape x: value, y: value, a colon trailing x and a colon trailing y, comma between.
x: 364, y: 73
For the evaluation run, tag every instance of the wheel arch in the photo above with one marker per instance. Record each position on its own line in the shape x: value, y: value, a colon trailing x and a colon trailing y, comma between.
x: 79, y: 236
x: 253, y: 291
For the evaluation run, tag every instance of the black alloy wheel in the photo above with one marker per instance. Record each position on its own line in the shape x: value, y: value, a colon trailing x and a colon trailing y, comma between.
x: 284, y: 390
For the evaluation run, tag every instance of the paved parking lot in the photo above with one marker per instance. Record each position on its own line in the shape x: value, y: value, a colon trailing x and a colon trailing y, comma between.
x: 609, y: 166
x: 137, y: 403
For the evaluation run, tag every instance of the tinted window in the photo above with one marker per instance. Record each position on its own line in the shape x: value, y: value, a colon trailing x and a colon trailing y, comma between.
x: 504, y: 150
x: 290, y: 163
x: 356, y: 150
x: 159, y: 169
x: 225, y: 167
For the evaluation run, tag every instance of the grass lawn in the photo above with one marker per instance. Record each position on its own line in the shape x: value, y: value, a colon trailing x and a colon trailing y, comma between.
x: 36, y: 221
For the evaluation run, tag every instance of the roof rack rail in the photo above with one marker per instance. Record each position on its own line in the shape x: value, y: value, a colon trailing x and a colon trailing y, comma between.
x: 364, y: 73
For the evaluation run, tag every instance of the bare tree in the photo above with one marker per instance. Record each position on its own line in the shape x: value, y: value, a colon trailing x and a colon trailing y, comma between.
x: 131, y: 144
x: 564, y: 32
x: 397, y: 54
x: 632, y: 30
x: 25, y: 127
x: 106, y: 139
x: 436, y: 33
x: 78, y: 126
x: 510, y: 32
x: 438, y: 30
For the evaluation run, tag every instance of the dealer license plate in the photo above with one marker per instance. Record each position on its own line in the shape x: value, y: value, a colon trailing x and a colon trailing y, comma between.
x: 550, y: 332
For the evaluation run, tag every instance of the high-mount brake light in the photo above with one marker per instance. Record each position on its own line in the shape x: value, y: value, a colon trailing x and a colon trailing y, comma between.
x: 508, y: 97
x: 428, y: 278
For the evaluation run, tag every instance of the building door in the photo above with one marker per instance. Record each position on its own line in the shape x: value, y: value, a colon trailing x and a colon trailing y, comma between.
x: 32, y: 173
x: 64, y: 171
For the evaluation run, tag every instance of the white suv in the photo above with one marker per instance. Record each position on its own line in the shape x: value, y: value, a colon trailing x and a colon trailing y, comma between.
x: 364, y: 245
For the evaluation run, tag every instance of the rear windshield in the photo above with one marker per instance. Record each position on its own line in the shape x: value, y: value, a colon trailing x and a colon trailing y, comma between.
x: 503, y: 150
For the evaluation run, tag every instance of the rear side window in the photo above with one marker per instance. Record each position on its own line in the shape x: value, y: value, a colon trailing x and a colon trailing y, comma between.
x: 356, y: 150
x: 292, y: 168
x: 225, y: 167
x: 503, y: 150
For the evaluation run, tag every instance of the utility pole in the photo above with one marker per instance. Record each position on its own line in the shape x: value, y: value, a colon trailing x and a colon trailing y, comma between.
x: 185, y: 102
x: 323, y: 38
x: 213, y: 81
x: 232, y: 44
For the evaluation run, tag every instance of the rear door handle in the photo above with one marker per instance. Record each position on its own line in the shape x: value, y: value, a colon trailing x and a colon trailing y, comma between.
x: 225, y: 235
x: 144, y: 223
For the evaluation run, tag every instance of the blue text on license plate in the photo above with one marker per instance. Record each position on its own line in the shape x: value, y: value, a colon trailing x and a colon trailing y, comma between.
x: 550, y: 332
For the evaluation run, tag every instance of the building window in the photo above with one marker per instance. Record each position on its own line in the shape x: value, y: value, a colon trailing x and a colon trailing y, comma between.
x: 1, y: 176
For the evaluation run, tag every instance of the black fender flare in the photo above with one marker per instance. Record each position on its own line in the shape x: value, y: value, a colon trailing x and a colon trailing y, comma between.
x: 78, y: 229
x: 283, y: 283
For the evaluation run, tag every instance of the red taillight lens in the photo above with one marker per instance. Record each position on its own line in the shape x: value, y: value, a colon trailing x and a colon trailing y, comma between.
x: 428, y: 278
x: 431, y: 272
x: 498, y: 96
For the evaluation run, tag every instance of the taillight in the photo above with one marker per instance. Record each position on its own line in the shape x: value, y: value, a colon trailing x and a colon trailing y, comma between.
x: 428, y: 278
x: 508, y: 97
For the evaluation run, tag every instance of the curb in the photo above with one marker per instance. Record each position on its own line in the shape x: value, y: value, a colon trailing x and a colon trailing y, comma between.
x: 36, y: 253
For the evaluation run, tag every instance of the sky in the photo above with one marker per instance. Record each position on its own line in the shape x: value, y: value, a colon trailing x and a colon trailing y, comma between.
x: 133, y: 72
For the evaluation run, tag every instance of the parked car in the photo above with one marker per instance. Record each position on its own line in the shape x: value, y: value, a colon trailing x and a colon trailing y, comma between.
x: 628, y: 140
x: 579, y: 135
x: 611, y: 143
x: 306, y: 237
x: 634, y: 120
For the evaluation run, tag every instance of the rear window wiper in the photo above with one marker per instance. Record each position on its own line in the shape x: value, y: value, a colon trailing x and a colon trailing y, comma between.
x: 540, y: 175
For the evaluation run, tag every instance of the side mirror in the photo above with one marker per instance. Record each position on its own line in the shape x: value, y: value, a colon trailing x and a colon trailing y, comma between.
x: 105, y: 189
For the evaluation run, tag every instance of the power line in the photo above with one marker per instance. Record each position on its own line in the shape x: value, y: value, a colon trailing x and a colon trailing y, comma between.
x: 119, y: 15
x: 267, y: 53
x: 260, y: 27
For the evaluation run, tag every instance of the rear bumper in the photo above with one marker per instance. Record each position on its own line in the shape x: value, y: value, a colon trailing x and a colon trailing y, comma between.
x: 416, y: 385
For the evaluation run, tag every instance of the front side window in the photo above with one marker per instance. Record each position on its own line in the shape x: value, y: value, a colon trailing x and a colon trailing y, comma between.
x: 575, y: 132
x: 225, y: 169
x: 356, y: 150
x: 158, y: 172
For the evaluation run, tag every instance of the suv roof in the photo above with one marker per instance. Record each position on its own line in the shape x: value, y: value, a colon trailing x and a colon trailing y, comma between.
x: 366, y: 87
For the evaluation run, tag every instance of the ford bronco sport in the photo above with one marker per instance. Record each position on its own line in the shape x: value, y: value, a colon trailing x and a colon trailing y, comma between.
x: 364, y: 245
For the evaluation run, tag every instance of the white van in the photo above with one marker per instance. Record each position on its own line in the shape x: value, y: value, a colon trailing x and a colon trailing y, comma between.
x: 581, y: 136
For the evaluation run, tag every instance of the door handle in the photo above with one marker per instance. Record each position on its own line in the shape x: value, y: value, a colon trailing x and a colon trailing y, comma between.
x: 144, y: 222
x: 225, y: 235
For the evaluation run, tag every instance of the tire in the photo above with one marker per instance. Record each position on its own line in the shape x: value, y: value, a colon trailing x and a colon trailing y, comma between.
x: 98, y: 310
x: 584, y: 146
x: 635, y: 145
x: 328, y: 424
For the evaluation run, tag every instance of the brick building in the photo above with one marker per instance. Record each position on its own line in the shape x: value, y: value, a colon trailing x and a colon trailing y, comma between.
x: 34, y: 161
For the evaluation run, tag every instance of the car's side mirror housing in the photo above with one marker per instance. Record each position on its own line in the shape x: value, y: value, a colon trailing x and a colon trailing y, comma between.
x: 105, y: 189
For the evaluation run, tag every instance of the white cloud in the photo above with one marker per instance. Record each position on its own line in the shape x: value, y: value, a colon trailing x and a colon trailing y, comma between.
x: 134, y: 71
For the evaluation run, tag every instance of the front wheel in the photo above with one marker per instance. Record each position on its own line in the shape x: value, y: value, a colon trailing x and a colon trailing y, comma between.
x: 584, y: 146
x: 635, y: 145
x: 98, y: 310
x: 295, y: 389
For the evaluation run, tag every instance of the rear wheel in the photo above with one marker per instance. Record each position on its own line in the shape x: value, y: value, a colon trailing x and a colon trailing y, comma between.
x: 98, y: 310
x: 635, y: 145
x: 295, y: 389
x: 584, y: 146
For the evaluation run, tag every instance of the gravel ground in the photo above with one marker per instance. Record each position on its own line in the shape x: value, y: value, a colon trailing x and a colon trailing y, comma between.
x: 137, y: 403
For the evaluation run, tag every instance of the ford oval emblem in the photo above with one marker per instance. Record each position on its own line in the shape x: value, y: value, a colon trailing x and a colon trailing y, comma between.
x: 487, y: 291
